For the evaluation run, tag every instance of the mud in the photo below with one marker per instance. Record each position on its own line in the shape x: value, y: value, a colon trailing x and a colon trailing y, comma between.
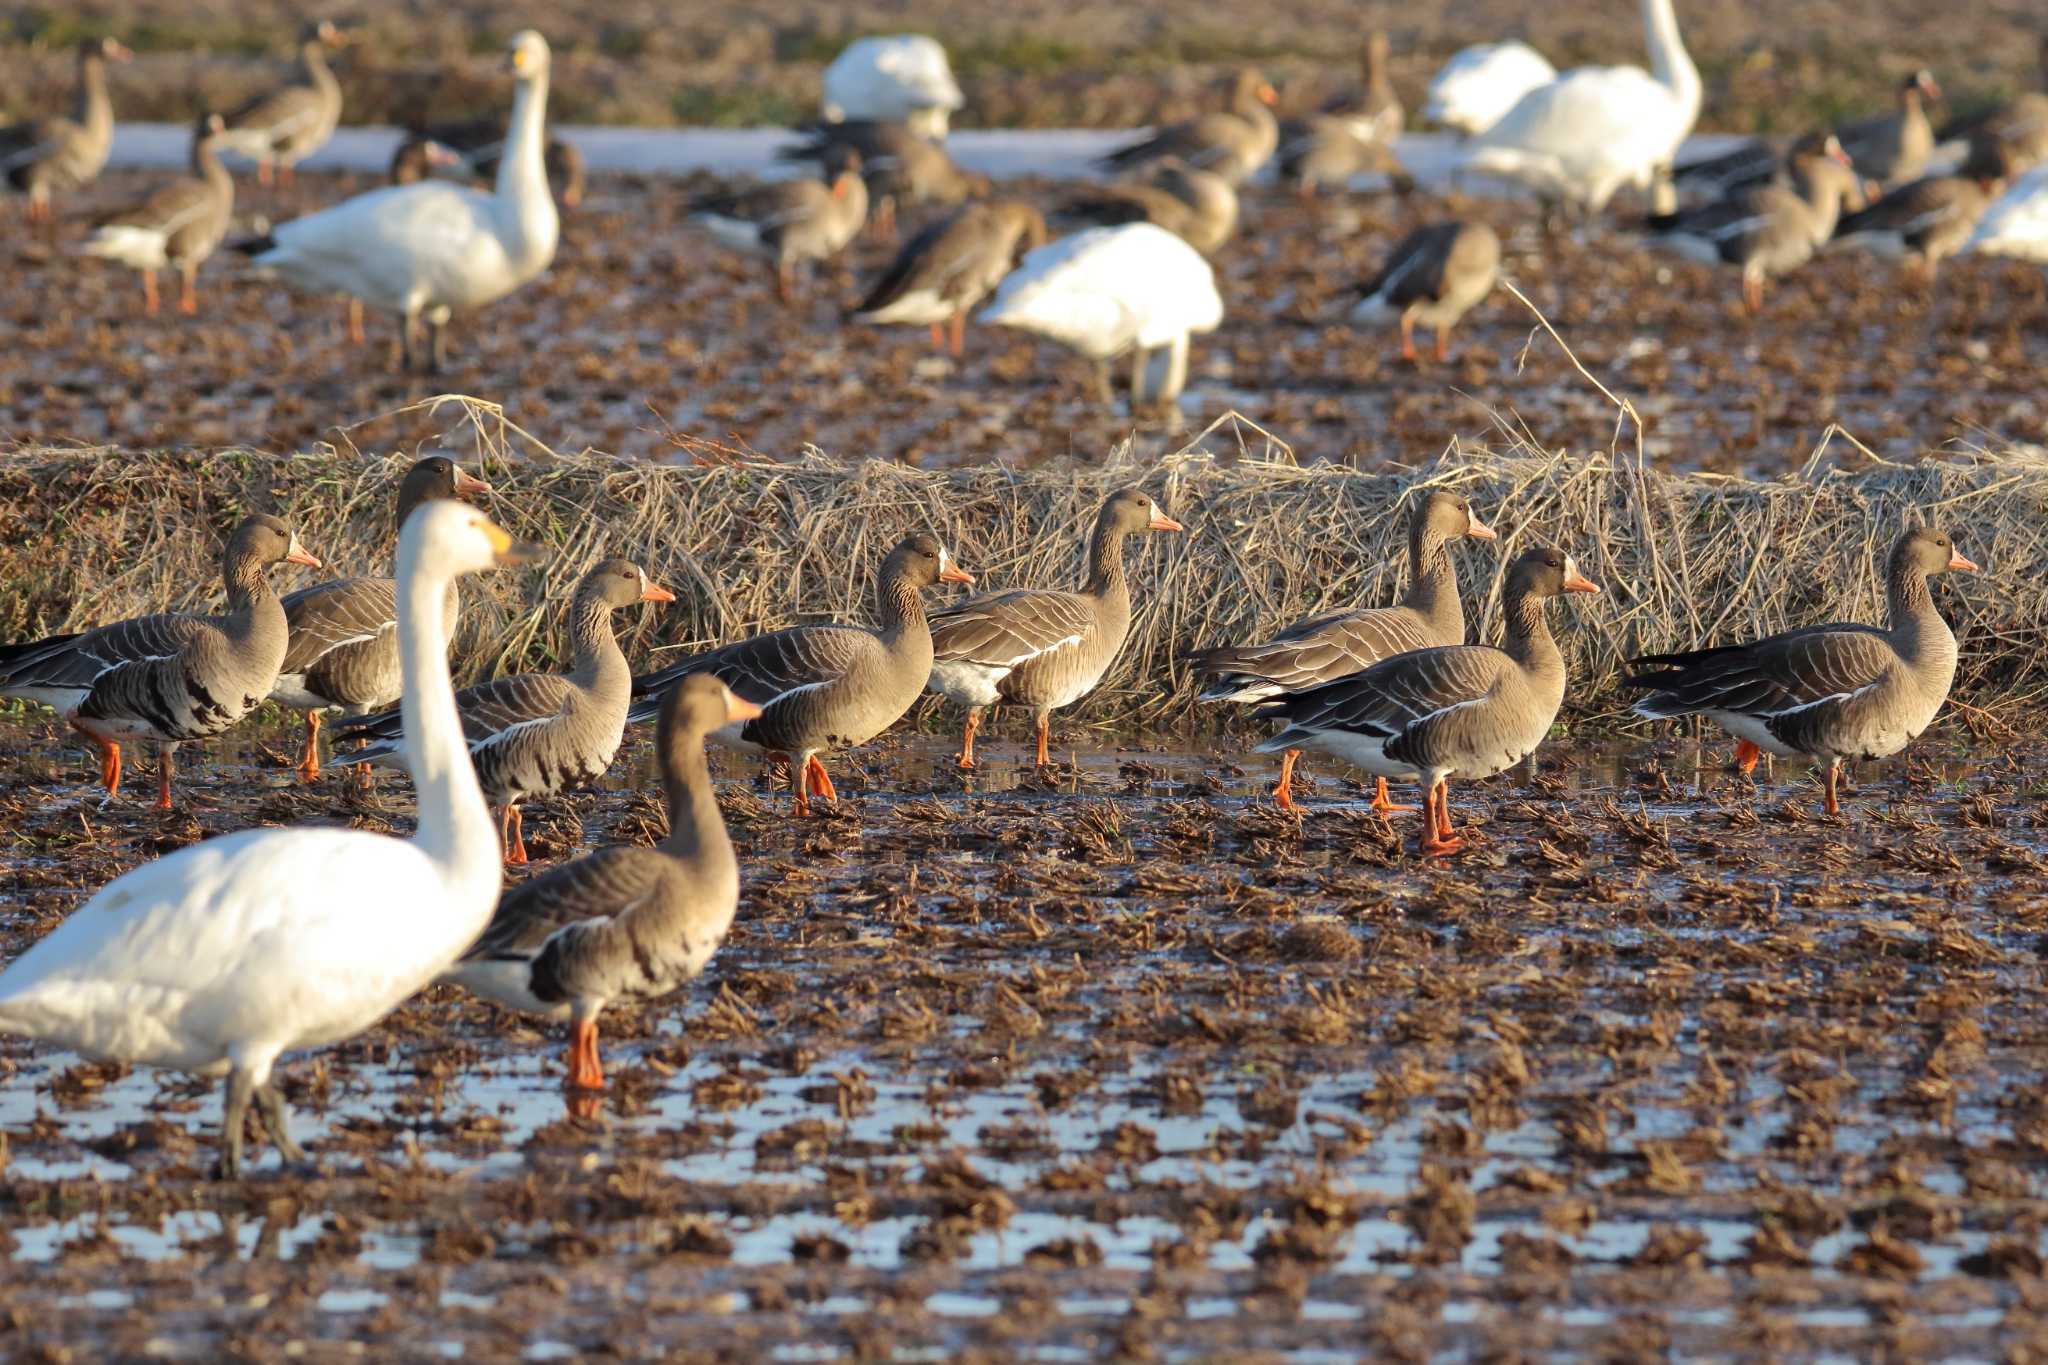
x: 1118, y: 1061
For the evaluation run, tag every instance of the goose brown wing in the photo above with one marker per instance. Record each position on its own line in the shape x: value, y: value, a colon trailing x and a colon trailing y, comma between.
x: 931, y: 260
x: 280, y: 113
x: 1309, y: 653
x: 764, y: 667
x: 75, y: 661
x: 1393, y: 695
x: 492, y: 713
x: 1415, y: 269
x: 327, y: 616
x: 605, y: 884
x: 1771, y: 677
x: 1005, y: 629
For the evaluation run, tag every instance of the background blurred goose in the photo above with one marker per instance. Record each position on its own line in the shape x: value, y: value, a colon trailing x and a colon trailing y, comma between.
x: 427, y: 249
x: 1584, y: 135
x: 1754, y: 164
x: 1350, y: 135
x: 42, y: 156
x: 1929, y: 219
x: 900, y: 78
x: 789, y: 221
x: 1769, y: 230
x: 289, y: 124
x: 171, y: 677
x: 1195, y: 205
x: 825, y: 687
x: 1893, y: 148
x: 1435, y: 276
x: 625, y: 923
x: 1038, y: 647
x: 951, y: 266
x: 1232, y: 143
x: 1325, y: 648
x: 895, y: 163
x: 1831, y: 692
x: 537, y: 734
x: 1471, y: 91
x: 2021, y: 123
x: 1452, y: 711
x: 343, y: 653
x: 472, y: 148
x: 1107, y: 291
x: 228, y: 953
x: 176, y: 227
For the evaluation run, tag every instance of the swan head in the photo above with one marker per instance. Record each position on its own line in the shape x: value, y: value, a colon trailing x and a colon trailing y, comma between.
x: 528, y: 54
x: 450, y: 538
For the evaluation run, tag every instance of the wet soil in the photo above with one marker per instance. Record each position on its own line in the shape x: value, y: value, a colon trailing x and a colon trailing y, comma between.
x: 646, y: 327
x: 1118, y: 1061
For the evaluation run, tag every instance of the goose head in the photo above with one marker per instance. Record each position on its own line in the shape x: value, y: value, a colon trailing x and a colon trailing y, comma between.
x: 1131, y: 509
x: 1449, y: 516
x: 436, y: 476
x: 919, y: 561
x: 94, y: 51
x: 449, y: 538
x: 1925, y: 551
x: 528, y: 55
x: 694, y: 708
x: 1546, y: 572
x: 262, y: 540
x: 619, y: 583
x: 209, y: 128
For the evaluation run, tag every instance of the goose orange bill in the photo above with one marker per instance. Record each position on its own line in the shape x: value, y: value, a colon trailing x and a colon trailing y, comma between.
x: 739, y: 709
x: 466, y: 483
x: 953, y: 573
x: 1957, y: 563
x: 1268, y: 95
x: 654, y: 592
x: 1162, y: 522
x: 1578, y: 582
x: 1479, y: 528
x: 298, y: 554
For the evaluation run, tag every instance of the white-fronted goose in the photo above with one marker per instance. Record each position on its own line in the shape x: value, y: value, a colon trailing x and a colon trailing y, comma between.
x: 1195, y: 205
x: 1039, y: 647
x: 1929, y: 219
x: 423, y: 250
x: 225, y: 955
x: 175, y: 228
x: 2021, y: 124
x: 472, y: 148
x: 1893, y: 148
x: 1833, y: 692
x: 42, y: 156
x: 1434, y: 276
x: 1768, y: 230
x: 1107, y: 291
x: 1325, y: 648
x: 1753, y: 164
x: 895, y: 162
x: 537, y: 734
x: 171, y: 677
x: 1351, y: 134
x: 1461, y: 711
x: 951, y: 266
x: 1471, y: 91
x: 1232, y: 144
x: 343, y: 655
x: 626, y: 923
x: 289, y: 124
x: 791, y: 220
x: 901, y: 77
x: 1374, y: 109
x: 825, y: 687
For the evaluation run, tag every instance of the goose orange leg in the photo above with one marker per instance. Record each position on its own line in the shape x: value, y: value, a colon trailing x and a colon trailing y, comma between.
x: 513, y: 833
x: 1283, y: 793
x: 1384, y: 803
x: 1833, y: 805
x: 166, y: 764
x: 309, y: 757
x: 938, y: 336
x: 150, y: 301
x: 959, y: 341
x: 355, y: 323
x: 967, y: 737
x: 1438, y: 839
x: 821, y: 781
x: 800, y: 787
x: 110, y: 759
x: 1408, y: 337
x: 585, y: 1071
x: 1746, y: 755
x: 1443, y: 343
x: 188, y: 294
x: 1044, y: 724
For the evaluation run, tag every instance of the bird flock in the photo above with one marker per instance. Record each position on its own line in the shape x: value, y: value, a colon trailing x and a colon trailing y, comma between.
x: 225, y: 955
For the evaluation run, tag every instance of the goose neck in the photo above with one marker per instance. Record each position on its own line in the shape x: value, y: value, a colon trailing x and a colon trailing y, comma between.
x: 899, y: 605
x: 592, y: 641
x: 95, y: 106
x: 1527, y: 630
x: 1433, y: 582
x: 1106, y: 561
x: 696, y: 831
x: 313, y: 57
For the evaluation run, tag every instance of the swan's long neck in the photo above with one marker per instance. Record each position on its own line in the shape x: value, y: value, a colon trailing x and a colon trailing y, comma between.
x: 525, y: 203
x: 454, y: 824
x: 1668, y: 58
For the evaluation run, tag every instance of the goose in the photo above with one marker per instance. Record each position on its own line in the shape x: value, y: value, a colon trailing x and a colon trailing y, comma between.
x: 172, y: 677
x: 1463, y: 711
x: 824, y: 687
x: 1471, y: 91
x: 1324, y: 648
x: 1756, y: 163
x: 42, y: 156
x: 2021, y: 124
x: 951, y: 266
x: 1375, y: 110
x: 1195, y: 205
x: 1769, y: 230
x: 176, y: 227
x: 2016, y: 223
x: 902, y: 77
x: 1232, y: 144
x: 343, y: 652
x: 229, y: 953
x: 626, y: 923
x: 424, y: 250
x: 1350, y: 135
x: 1043, y: 648
x: 895, y: 163
x: 1893, y: 148
x: 1135, y: 288
x: 791, y: 220
x: 1435, y: 276
x: 473, y: 149
x: 1584, y: 135
x: 1929, y: 219
x: 536, y: 734
x: 1832, y: 692
x: 289, y: 124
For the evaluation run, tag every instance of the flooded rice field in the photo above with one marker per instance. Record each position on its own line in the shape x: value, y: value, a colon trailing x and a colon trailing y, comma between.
x: 645, y: 327
x: 1117, y: 1061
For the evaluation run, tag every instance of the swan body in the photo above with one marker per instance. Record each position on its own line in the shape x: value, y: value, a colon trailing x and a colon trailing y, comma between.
x: 2016, y: 224
x: 904, y: 78
x: 1481, y: 83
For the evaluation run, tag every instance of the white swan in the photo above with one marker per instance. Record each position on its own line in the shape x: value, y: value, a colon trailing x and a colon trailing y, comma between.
x: 2016, y: 224
x: 1594, y: 129
x: 1136, y: 288
x: 226, y: 954
x: 900, y: 79
x: 1479, y: 84
x: 428, y: 248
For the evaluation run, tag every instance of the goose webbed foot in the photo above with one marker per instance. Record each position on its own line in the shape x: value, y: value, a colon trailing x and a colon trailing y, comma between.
x: 1383, y: 802
x: 1283, y: 791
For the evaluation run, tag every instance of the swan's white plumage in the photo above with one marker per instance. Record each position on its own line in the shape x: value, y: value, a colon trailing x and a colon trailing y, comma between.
x: 903, y: 77
x: 1106, y: 290
x: 2016, y: 223
x: 1481, y: 83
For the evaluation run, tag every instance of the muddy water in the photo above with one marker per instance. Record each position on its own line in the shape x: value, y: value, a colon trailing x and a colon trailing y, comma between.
x: 1117, y: 1059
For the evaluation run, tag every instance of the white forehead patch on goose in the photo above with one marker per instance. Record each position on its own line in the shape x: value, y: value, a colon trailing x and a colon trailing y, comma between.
x: 1571, y: 568
x: 945, y: 558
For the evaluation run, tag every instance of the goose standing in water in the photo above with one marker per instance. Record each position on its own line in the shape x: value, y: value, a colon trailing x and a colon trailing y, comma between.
x: 1325, y: 648
x: 343, y: 654
x: 1043, y: 648
x: 625, y: 923
x: 176, y: 227
x: 423, y: 250
x: 1829, y: 693
x: 295, y: 120
x: 536, y: 734
x: 825, y: 687
x: 172, y: 677
x: 42, y: 156
x: 229, y: 953
x: 1461, y: 711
